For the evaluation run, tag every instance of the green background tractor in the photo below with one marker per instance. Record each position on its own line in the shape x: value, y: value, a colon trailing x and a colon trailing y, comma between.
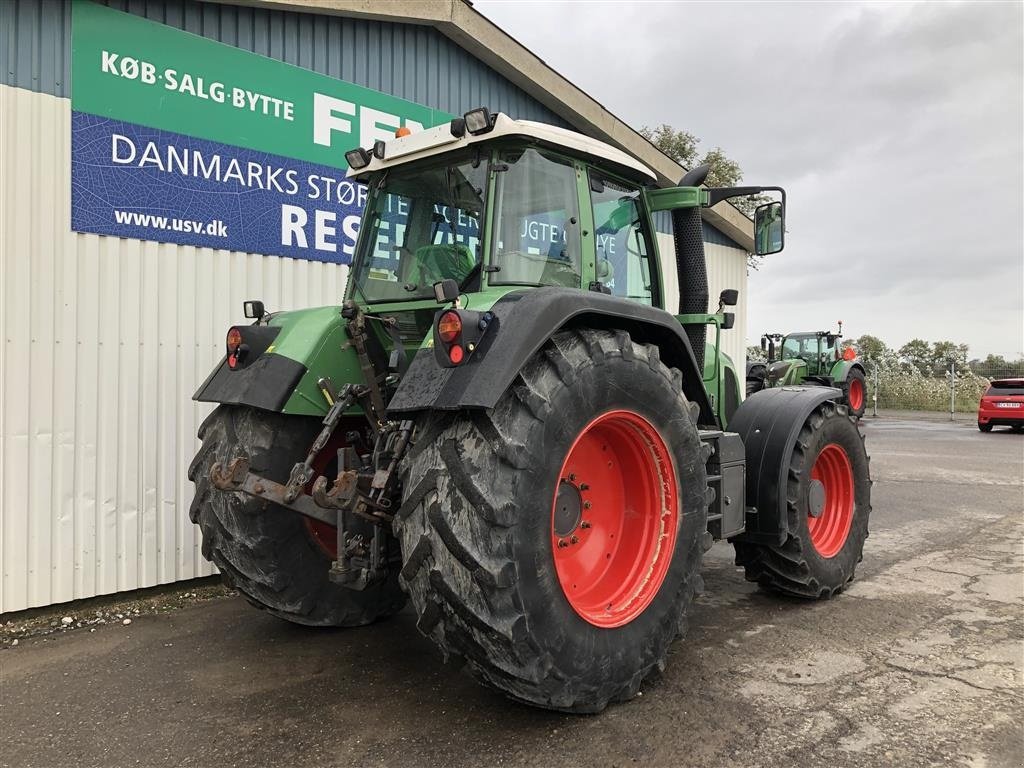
x: 505, y: 425
x: 812, y: 358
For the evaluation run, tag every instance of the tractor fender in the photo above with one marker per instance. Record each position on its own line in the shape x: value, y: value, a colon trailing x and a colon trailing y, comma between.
x: 286, y: 360
x: 841, y: 370
x: 769, y: 424
x: 522, y: 323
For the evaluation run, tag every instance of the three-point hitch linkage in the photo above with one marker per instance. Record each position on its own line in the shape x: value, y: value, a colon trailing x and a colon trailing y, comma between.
x: 365, y: 484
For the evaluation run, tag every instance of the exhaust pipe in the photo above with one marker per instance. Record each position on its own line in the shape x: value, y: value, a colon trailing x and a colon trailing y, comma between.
x: 691, y: 266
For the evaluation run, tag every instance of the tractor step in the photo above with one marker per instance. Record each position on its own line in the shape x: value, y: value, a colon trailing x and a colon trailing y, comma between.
x: 725, y: 458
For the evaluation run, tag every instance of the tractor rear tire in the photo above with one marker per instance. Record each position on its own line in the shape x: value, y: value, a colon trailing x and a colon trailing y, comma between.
x: 828, y: 497
x: 264, y: 551
x: 491, y: 559
x: 855, y: 393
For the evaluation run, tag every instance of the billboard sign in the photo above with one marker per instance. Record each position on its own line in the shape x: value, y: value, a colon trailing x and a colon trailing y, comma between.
x: 181, y: 139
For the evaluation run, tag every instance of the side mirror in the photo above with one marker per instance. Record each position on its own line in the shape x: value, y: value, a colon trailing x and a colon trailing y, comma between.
x: 445, y: 291
x: 728, y: 320
x: 769, y: 228
x: 729, y: 297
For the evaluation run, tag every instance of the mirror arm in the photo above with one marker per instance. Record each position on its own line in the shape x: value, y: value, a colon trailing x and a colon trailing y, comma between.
x: 717, y: 195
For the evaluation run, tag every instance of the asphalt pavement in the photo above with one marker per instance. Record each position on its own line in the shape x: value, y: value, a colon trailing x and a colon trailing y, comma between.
x: 918, y: 663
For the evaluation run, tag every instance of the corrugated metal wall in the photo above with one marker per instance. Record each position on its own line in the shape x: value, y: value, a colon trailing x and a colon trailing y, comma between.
x: 727, y: 268
x: 105, y: 339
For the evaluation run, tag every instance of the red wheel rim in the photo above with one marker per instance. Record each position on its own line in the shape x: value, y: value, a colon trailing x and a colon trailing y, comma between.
x: 325, y: 536
x: 614, y: 519
x: 831, y: 513
x: 856, y: 394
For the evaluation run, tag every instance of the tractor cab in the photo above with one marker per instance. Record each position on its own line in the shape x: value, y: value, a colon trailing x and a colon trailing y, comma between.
x: 816, y: 351
x: 483, y: 207
x: 494, y: 204
x: 810, y: 353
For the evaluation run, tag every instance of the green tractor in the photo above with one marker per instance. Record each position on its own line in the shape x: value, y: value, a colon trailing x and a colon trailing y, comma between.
x: 504, y: 426
x: 813, y: 358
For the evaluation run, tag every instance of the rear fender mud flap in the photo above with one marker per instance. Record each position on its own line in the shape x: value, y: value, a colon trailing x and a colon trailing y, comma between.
x: 769, y: 424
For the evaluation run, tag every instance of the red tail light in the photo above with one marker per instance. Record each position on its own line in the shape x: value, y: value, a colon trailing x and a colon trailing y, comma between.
x: 455, y: 354
x: 849, y: 353
x: 449, y: 328
x: 234, y: 341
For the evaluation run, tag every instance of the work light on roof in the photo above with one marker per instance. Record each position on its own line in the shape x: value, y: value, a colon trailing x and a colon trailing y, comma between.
x: 357, y: 158
x: 478, y: 121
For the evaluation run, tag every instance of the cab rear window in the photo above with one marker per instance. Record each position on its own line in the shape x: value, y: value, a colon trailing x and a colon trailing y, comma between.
x: 1005, y: 388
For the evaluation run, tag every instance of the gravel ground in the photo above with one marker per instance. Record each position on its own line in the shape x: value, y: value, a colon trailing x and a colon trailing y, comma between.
x: 919, y: 663
x: 112, y: 609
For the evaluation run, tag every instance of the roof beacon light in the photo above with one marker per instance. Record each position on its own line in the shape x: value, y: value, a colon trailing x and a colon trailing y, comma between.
x: 357, y: 158
x: 478, y: 121
x: 403, y: 131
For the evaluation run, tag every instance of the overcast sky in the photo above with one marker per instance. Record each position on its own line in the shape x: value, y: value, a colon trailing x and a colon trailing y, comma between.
x: 897, y: 130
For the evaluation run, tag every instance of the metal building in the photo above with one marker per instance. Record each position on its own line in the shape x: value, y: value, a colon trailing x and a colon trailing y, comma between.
x: 106, y: 334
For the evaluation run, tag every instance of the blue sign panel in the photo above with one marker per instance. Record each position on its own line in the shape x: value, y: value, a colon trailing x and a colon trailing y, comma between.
x: 149, y: 184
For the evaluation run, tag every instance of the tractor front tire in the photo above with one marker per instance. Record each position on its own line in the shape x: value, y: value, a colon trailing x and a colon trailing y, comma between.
x: 757, y: 378
x: 828, y: 499
x: 264, y: 551
x: 554, y: 542
x: 855, y: 393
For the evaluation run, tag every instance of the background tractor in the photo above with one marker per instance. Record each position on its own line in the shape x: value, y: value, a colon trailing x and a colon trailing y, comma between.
x: 503, y: 424
x: 810, y: 358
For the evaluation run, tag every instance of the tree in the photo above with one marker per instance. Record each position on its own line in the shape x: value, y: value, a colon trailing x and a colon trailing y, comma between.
x: 726, y: 173
x: 918, y: 353
x: 946, y: 352
x: 681, y: 146
x: 871, y: 348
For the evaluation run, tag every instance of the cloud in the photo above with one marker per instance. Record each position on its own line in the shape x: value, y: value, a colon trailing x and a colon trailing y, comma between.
x: 897, y: 129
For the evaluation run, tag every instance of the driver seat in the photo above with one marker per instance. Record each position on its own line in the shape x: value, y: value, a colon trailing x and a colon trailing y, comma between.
x: 442, y: 262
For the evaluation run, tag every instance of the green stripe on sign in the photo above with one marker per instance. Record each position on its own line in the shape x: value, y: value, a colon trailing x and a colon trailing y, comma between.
x: 132, y: 69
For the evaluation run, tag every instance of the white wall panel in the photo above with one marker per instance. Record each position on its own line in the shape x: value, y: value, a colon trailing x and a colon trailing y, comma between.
x: 104, y: 341
x: 727, y: 268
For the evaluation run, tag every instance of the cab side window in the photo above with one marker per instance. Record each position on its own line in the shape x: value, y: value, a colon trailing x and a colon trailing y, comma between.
x: 622, y: 257
x: 536, y: 214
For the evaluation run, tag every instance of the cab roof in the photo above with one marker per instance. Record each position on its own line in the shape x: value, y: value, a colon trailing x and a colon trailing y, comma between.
x: 441, y: 139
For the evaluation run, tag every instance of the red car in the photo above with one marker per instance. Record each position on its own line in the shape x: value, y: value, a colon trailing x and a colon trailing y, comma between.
x: 1002, y: 405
